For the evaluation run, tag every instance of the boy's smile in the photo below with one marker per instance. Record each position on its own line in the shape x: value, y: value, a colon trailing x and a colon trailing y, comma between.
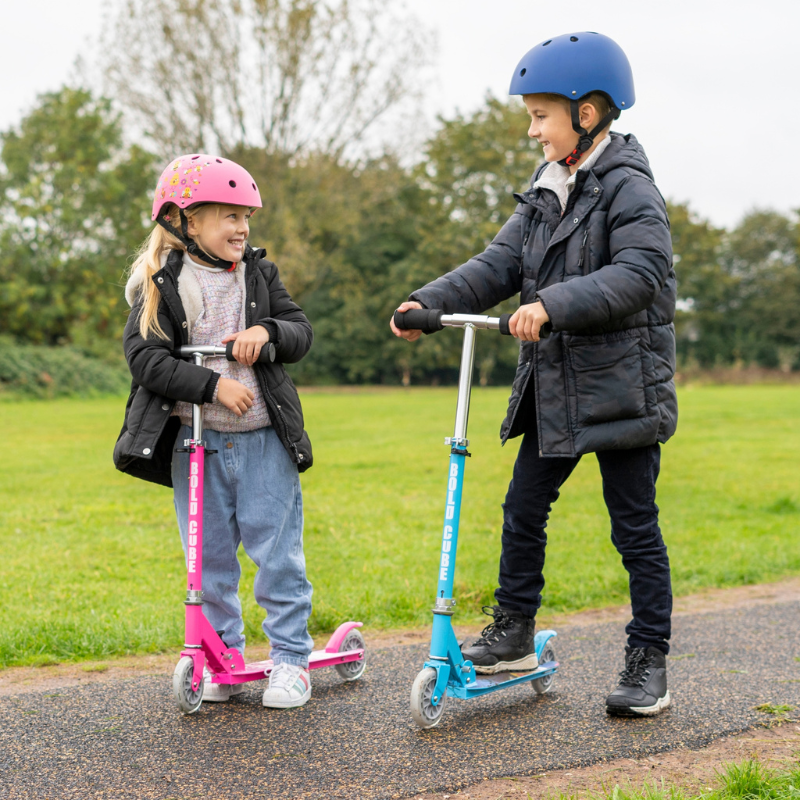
x: 551, y: 126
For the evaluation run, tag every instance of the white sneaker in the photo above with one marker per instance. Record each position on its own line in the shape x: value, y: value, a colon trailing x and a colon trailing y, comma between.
x: 289, y: 687
x: 218, y: 692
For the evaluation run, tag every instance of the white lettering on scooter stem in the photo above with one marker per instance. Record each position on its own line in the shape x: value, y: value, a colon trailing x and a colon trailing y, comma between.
x: 194, y: 470
x: 449, y: 513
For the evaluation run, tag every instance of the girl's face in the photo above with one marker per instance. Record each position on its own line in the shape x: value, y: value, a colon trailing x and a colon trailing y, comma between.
x: 221, y: 230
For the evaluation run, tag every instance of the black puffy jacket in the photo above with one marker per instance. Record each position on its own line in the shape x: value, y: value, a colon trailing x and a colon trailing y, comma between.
x: 603, y: 271
x: 144, y: 446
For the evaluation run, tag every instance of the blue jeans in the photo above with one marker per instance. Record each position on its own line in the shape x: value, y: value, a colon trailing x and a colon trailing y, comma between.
x: 629, y: 489
x: 251, y: 495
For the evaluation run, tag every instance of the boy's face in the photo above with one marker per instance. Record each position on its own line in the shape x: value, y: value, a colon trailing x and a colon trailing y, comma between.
x: 551, y: 126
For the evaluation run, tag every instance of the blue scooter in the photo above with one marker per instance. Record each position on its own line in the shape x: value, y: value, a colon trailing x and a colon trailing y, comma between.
x: 447, y: 672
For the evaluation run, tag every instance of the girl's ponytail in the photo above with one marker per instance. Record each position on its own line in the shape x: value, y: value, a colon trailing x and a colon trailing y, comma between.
x: 148, y: 261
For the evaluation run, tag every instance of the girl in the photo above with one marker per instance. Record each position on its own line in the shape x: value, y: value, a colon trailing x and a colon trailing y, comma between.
x: 196, y: 280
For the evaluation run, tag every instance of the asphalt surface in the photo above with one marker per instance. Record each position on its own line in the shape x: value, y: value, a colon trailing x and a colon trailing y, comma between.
x: 127, y: 739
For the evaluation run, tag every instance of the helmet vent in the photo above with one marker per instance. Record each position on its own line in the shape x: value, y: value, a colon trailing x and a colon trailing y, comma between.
x: 232, y: 184
x: 522, y: 72
x: 194, y: 158
x: 544, y: 44
x: 254, y: 187
x: 219, y: 161
x: 573, y: 38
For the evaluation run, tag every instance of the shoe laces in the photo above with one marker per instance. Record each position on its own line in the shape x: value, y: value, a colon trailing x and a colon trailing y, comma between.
x: 637, y: 667
x: 497, y: 628
x: 283, y: 676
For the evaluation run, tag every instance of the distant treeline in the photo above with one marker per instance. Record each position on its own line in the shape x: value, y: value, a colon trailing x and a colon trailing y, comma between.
x: 352, y: 237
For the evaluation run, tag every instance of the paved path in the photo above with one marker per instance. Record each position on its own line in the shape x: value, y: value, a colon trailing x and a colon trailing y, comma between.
x: 126, y: 739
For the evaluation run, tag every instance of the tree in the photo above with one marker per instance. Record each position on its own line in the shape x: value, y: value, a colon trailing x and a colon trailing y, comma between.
x: 286, y: 76
x: 73, y: 205
x: 761, y: 254
x: 739, y: 290
x: 470, y: 169
x: 705, y: 290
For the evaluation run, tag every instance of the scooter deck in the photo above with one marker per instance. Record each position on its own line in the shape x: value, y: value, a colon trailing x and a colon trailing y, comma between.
x: 500, y: 680
x: 258, y: 670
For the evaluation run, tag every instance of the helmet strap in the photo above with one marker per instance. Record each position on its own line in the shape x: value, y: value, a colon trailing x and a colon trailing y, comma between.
x: 586, y: 139
x: 192, y: 248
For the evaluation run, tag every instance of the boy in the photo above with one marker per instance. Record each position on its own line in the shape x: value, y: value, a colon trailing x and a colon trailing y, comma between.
x: 588, y: 248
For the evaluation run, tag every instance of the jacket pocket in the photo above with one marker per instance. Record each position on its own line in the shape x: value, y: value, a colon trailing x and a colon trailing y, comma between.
x: 609, y: 380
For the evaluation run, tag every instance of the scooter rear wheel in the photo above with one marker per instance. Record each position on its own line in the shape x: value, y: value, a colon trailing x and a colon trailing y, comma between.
x: 189, y: 699
x: 423, y: 711
x: 352, y: 669
x: 545, y: 684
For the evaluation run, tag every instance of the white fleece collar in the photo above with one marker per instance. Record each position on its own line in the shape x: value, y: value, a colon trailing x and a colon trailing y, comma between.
x: 188, y: 286
x: 556, y: 176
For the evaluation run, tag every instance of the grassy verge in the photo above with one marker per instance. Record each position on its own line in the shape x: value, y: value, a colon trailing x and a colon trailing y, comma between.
x: 746, y: 781
x: 91, y: 563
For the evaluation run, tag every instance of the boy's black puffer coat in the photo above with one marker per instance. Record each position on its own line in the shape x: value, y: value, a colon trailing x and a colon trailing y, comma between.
x: 603, y: 270
x: 145, y: 445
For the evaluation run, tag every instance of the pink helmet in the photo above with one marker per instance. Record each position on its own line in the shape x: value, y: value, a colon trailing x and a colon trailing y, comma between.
x: 201, y: 178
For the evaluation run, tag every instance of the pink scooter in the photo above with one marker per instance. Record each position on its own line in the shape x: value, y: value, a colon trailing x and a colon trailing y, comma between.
x: 345, y: 649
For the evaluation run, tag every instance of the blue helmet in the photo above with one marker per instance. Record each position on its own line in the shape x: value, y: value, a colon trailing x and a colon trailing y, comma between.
x: 574, y: 65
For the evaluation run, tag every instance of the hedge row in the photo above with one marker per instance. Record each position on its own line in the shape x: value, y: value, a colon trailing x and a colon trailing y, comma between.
x: 30, y: 371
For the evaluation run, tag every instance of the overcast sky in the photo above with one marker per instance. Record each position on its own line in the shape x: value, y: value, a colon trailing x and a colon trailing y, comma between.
x: 716, y: 82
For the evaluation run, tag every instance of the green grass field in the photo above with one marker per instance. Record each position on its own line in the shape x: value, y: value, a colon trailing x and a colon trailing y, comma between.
x: 92, y: 566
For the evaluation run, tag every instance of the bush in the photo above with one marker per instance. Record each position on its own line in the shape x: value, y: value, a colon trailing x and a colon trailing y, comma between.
x: 30, y: 371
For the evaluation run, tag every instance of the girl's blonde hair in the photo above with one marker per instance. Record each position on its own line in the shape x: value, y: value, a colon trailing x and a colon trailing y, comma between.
x: 148, y: 257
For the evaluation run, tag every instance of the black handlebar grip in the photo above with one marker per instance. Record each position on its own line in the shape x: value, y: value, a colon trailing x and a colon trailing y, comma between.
x: 266, y: 356
x: 427, y: 320
x: 544, y: 331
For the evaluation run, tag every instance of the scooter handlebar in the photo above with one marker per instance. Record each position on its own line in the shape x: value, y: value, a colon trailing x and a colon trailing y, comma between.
x: 429, y: 320
x: 266, y: 356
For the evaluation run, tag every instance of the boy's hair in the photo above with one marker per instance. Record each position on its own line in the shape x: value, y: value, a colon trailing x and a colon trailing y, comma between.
x: 159, y: 241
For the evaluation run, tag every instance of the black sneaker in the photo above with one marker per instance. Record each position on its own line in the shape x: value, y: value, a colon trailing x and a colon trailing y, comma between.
x: 642, y: 689
x: 505, y: 644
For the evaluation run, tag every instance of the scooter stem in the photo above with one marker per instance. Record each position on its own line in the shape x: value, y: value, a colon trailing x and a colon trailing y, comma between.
x: 194, y: 552
x: 464, y: 383
x: 455, y: 482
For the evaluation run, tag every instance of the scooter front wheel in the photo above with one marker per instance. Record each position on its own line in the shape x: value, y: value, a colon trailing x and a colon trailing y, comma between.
x: 545, y: 684
x: 423, y: 711
x: 352, y: 669
x: 189, y: 699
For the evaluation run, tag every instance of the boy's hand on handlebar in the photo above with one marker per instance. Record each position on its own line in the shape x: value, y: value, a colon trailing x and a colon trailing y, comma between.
x: 234, y: 396
x: 248, y: 344
x: 409, y: 336
x: 526, y: 323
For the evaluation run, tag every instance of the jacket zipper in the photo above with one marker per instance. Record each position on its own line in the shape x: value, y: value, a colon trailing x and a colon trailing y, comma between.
x: 265, y: 388
x: 583, y: 246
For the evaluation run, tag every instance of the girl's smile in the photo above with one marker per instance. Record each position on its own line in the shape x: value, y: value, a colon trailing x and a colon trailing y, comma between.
x: 221, y: 231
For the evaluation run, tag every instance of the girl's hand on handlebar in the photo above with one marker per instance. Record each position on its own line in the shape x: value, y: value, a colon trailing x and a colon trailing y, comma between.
x: 526, y: 323
x: 409, y: 336
x: 234, y: 396
x: 248, y: 344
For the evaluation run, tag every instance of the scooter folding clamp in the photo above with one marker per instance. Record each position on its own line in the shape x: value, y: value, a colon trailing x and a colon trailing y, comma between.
x: 193, y: 597
x: 456, y: 441
x: 445, y: 605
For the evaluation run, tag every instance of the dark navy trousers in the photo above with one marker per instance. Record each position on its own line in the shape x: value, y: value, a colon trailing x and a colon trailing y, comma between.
x: 629, y: 490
